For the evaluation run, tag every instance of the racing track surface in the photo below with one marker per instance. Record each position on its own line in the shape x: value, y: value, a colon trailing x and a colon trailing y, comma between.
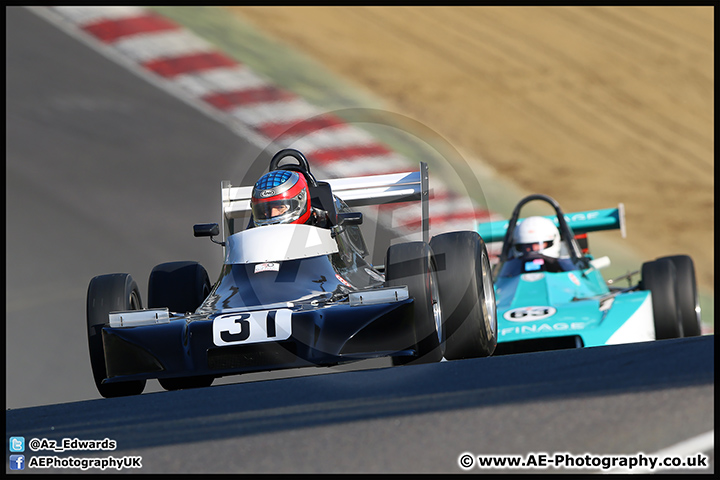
x: 604, y: 400
x: 106, y: 173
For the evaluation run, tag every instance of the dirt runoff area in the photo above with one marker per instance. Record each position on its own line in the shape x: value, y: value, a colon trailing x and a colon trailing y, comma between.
x: 591, y: 105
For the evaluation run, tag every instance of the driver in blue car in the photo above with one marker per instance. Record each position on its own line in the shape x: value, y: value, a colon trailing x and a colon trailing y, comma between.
x: 282, y: 196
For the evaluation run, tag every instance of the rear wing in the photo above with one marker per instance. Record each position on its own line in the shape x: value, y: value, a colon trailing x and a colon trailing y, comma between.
x: 579, y: 222
x: 355, y: 191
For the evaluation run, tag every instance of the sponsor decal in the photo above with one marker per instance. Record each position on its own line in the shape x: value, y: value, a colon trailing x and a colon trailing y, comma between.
x: 581, y: 216
x: 529, y: 314
x: 252, y: 327
x: 574, y: 279
x: 267, y: 267
x: 543, y: 327
x: 343, y: 281
x: 267, y: 193
x: 534, y: 265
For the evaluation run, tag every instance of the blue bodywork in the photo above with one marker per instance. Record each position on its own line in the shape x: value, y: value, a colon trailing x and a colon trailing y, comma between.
x: 239, y: 328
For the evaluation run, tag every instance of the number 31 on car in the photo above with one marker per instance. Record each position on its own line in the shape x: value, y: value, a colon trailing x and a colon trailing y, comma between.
x: 252, y: 327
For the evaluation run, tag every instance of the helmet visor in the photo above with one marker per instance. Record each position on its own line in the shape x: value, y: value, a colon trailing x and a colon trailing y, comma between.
x: 277, y: 211
x: 524, y: 248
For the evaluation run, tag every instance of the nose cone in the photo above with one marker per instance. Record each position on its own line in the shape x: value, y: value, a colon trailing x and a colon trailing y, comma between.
x: 536, y: 305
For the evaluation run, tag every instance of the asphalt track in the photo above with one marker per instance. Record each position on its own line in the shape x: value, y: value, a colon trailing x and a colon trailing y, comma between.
x: 626, y: 399
x: 107, y: 173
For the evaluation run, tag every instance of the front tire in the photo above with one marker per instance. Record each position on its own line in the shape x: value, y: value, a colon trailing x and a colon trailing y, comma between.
x: 659, y: 277
x: 686, y: 294
x: 179, y: 286
x: 109, y: 293
x: 413, y: 264
x: 467, y: 295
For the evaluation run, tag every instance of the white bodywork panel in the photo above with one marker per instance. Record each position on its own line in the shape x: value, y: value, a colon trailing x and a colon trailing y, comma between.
x: 276, y: 243
x: 640, y: 327
x: 138, y: 318
x: 384, y: 295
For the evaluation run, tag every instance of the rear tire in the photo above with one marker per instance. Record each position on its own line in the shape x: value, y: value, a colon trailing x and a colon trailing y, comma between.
x: 659, y: 277
x: 467, y: 294
x: 412, y: 264
x: 179, y: 286
x: 109, y: 293
x: 686, y: 294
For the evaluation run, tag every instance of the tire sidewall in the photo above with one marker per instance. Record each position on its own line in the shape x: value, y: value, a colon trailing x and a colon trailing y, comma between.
x: 659, y: 277
x: 109, y: 293
x: 179, y: 286
x: 686, y: 294
x: 467, y: 295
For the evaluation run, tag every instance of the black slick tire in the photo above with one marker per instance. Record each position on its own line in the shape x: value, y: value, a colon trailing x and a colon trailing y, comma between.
x: 109, y: 293
x: 659, y: 277
x: 467, y: 294
x: 412, y: 264
x: 179, y: 286
x: 686, y: 294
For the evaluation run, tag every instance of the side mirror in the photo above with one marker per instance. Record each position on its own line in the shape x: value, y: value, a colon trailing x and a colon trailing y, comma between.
x: 350, y: 218
x: 206, y: 229
x: 599, y: 263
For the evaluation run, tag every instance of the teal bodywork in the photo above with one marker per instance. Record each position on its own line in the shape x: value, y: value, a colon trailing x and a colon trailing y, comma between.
x: 570, y: 304
x: 579, y: 222
x: 545, y: 303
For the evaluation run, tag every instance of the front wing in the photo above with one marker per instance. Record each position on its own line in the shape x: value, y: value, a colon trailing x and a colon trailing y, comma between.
x: 243, y: 342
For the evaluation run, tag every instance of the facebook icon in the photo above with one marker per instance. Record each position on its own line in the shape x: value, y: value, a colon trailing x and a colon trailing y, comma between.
x: 17, y: 462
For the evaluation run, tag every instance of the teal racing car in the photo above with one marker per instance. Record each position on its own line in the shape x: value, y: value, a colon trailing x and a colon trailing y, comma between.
x: 551, y: 295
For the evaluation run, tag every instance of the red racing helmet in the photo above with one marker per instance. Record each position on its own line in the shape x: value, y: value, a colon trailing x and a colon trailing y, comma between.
x: 280, y: 196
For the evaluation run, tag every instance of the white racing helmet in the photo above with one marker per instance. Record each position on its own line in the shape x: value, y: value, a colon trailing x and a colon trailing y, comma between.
x: 536, y: 235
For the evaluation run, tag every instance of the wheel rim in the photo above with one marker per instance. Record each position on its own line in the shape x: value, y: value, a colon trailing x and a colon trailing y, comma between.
x: 698, y: 313
x: 489, y: 293
x: 134, y: 301
x: 435, y: 302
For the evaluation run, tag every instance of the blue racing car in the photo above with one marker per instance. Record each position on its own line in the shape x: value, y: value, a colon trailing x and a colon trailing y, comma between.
x: 551, y: 295
x: 295, y: 290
